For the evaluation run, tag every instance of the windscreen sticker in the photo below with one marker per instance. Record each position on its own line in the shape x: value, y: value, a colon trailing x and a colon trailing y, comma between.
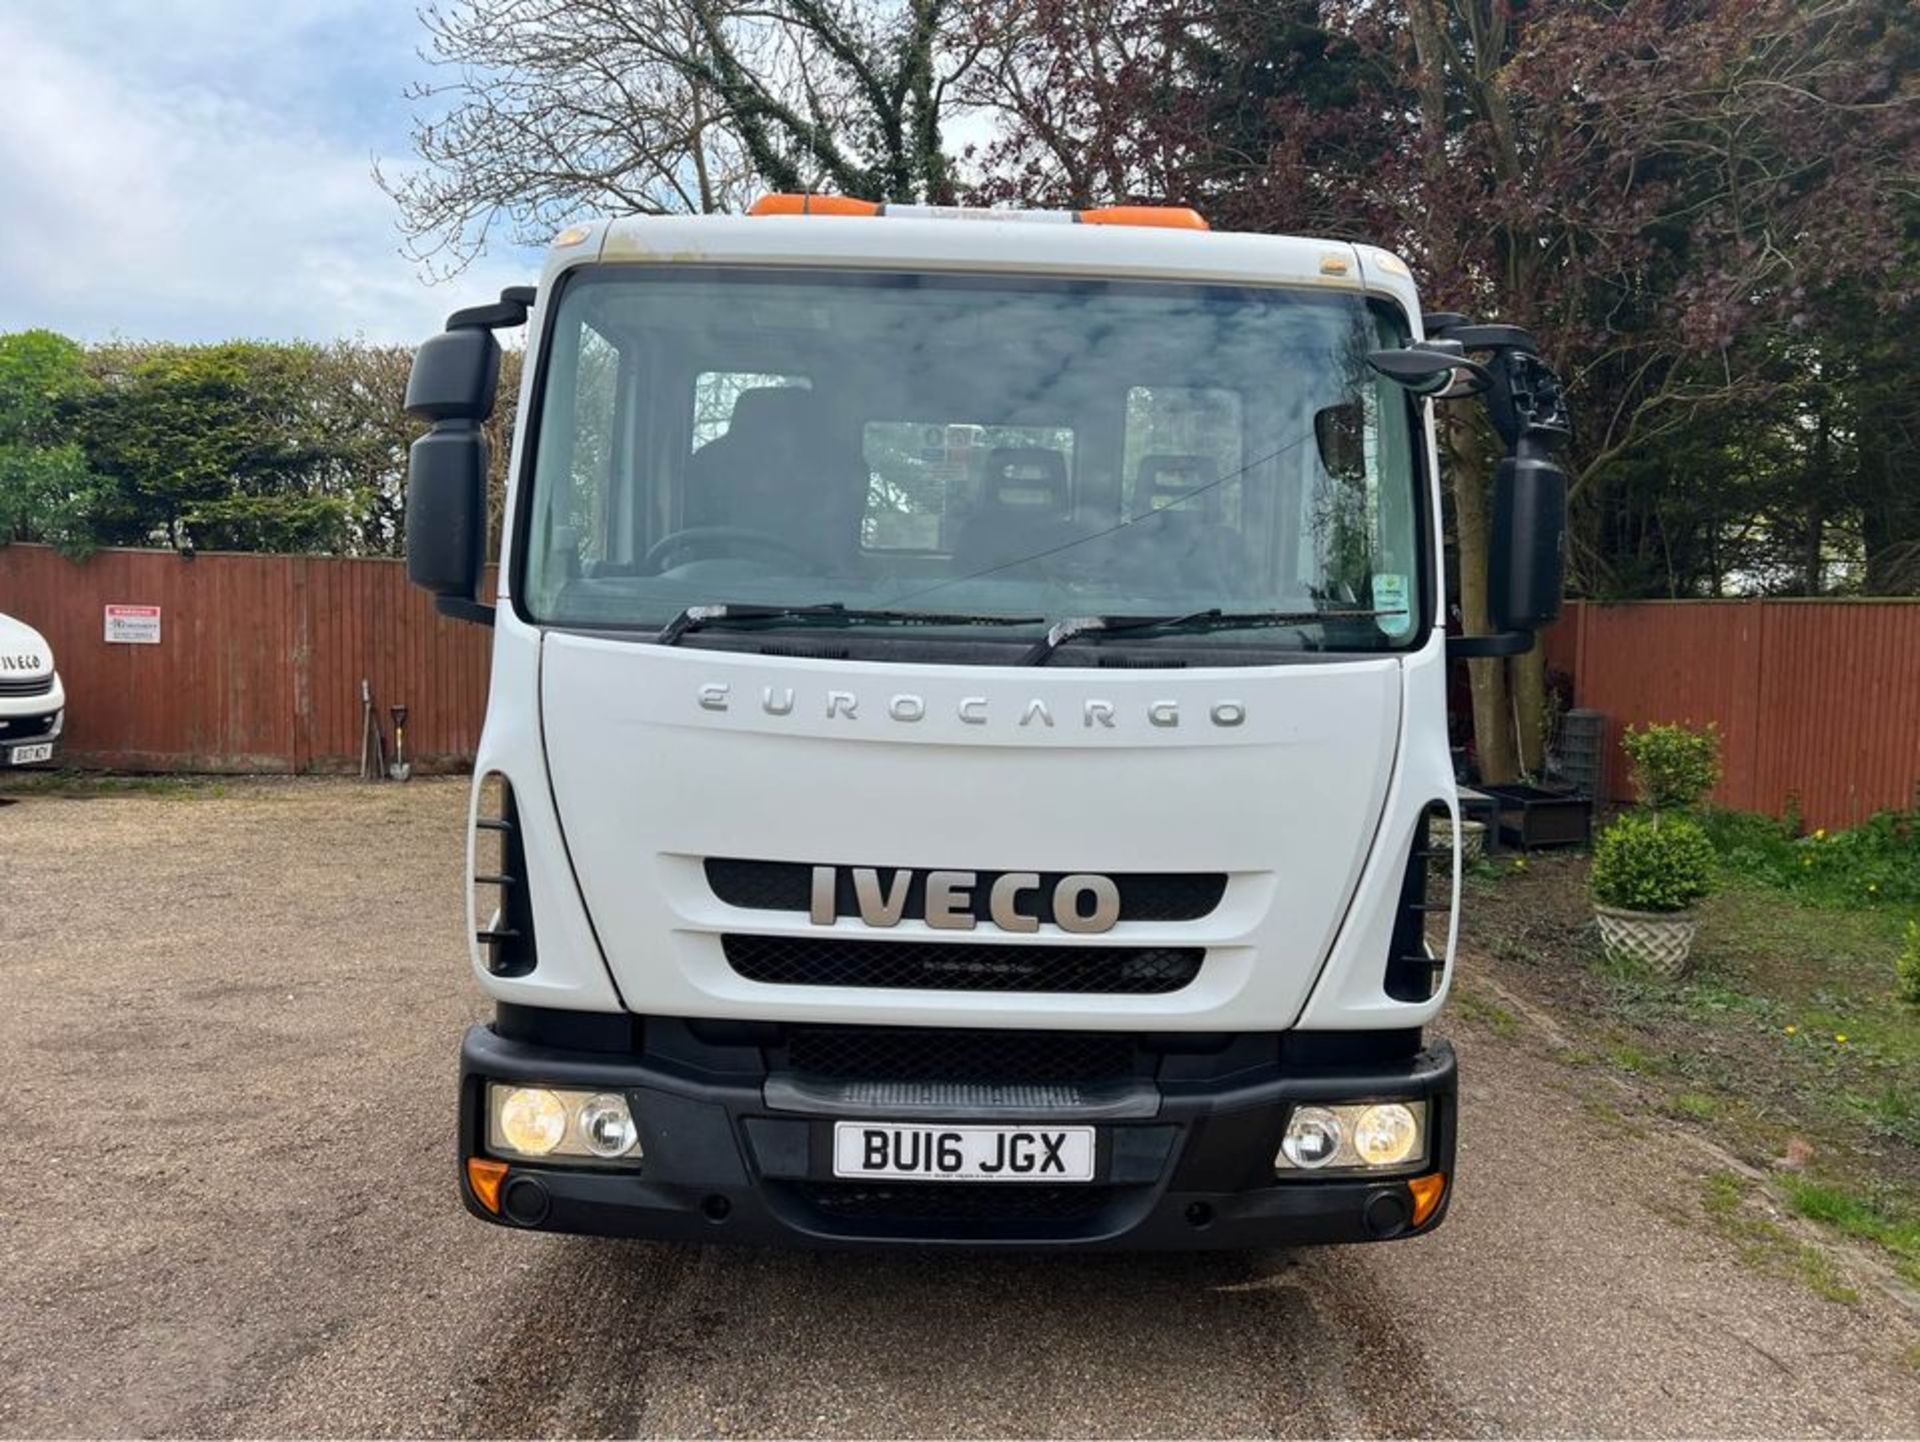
x: 1390, y: 598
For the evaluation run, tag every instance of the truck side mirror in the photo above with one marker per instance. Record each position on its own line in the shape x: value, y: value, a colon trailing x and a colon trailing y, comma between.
x: 454, y: 378
x: 1526, y: 561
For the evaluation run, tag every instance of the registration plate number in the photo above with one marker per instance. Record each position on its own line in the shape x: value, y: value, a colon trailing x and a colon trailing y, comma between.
x: 21, y: 755
x: 963, y: 1154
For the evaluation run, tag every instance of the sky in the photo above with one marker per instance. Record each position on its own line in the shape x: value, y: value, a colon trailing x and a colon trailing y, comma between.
x: 202, y: 170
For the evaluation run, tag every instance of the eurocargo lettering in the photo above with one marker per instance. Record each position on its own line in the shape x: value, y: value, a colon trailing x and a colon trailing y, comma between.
x: 967, y: 727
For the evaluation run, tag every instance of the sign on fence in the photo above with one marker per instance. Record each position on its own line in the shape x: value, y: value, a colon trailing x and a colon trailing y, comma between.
x: 133, y: 625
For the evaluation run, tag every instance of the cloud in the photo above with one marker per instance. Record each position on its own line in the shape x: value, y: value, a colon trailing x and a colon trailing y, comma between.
x: 198, y: 172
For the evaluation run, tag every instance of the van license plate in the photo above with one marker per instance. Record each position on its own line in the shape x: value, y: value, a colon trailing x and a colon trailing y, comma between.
x: 21, y: 755
x: 963, y: 1154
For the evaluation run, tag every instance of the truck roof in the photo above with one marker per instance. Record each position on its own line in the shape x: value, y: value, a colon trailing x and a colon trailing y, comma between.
x: 987, y: 242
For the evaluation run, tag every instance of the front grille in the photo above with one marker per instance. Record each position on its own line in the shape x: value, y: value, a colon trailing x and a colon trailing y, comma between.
x: 788, y: 886
x: 15, y: 686
x: 956, y: 1201
x: 951, y: 966
x: 859, y: 1053
x: 25, y: 728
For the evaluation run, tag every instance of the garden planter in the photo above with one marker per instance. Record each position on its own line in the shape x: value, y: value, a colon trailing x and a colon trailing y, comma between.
x: 1472, y: 843
x: 1658, y: 942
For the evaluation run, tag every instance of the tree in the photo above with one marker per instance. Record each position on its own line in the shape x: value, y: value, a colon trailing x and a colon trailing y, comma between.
x: 554, y: 109
x: 45, y: 483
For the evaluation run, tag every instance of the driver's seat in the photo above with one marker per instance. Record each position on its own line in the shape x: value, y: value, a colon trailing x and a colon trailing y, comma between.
x: 778, y: 468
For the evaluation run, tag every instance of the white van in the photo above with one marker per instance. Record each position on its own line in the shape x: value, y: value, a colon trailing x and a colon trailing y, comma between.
x: 33, y: 704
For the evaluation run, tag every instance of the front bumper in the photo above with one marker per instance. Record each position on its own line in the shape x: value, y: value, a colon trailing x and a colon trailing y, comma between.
x: 723, y: 1165
x: 26, y: 733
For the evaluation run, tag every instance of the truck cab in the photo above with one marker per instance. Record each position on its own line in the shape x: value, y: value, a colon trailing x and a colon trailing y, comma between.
x: 967, y: 717
x: 33, y: 703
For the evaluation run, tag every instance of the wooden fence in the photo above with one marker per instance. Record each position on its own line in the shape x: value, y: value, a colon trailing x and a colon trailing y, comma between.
x: 259, y: 662
x: 1814, y: 699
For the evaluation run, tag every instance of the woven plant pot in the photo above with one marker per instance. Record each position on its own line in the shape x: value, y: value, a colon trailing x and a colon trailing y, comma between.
x: 1472, y: 842
x: 1657, y: 942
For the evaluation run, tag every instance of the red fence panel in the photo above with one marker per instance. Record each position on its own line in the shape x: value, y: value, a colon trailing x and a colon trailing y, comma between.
x: 259, y: 662
x: 1818, y: 700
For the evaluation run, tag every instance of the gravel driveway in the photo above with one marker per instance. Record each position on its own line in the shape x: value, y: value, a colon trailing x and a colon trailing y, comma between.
x: 228, y: 1028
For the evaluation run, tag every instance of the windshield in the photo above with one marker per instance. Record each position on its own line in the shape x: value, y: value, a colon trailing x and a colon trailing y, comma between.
x: 977, y: 447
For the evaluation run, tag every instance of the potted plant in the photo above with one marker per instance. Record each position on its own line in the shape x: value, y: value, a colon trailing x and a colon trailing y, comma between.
x: 1651, y: 866
x: 1672, y: 766
x: 1649, y: 870
x: 1471, y: 838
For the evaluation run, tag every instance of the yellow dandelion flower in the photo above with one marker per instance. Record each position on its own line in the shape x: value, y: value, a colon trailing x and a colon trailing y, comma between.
x: 1791, y: 1029
x: 1841, y: 1037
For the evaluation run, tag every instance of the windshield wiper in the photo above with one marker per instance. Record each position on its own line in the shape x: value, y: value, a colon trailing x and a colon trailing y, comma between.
x: 699, y: 618
x: 1061, y: 632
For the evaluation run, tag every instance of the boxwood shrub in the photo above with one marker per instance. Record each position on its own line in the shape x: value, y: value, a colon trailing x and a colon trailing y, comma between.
x: 1647, y: 861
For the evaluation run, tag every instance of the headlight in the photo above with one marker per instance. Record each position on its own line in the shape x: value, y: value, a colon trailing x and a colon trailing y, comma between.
x: 534, y: 1122
x: 1358, y: 1137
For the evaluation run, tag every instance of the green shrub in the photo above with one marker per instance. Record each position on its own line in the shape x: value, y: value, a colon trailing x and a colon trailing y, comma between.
x: 1876, y: 863
x: 1906, y: 967
x: 1673, y: 767
x: 1648, y: 862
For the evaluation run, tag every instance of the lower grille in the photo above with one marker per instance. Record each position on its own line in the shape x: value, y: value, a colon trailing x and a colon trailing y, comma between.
x: 956, y: 1201
x: 949, y: 966
x: 1034, y: 1058
x: 25, y: 728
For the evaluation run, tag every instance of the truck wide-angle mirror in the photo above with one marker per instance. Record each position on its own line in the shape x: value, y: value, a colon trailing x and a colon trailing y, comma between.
x: 453, y: 383
x: 455, y: 376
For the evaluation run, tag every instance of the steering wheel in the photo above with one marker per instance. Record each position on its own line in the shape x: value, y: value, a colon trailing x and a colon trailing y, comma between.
x: 690, y: 537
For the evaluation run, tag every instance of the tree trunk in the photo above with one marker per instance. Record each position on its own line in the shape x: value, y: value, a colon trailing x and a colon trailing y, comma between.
x: 1528, y: 676
x: 1492, y: 716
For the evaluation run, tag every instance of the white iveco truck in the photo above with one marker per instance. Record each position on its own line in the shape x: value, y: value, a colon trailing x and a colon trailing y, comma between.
x: 967, y: 709
x: 33, y: 704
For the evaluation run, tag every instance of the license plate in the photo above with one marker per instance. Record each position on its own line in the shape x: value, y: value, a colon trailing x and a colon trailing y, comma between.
x: 21, y: 755
x: 963, y: 1154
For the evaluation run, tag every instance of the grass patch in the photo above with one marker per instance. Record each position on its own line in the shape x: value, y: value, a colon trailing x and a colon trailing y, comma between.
x: 1475, y: 1007
x: 77, y: 785
x: 1630, y: 1058
x: 1874, y: 864
x: 1868, y: 1219
x: 1698, y: 1105
x: 1766, y: 1247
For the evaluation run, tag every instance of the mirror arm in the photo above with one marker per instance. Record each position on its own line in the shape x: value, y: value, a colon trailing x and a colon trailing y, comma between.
x: 1499, y: 643
x: 461, y: 608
